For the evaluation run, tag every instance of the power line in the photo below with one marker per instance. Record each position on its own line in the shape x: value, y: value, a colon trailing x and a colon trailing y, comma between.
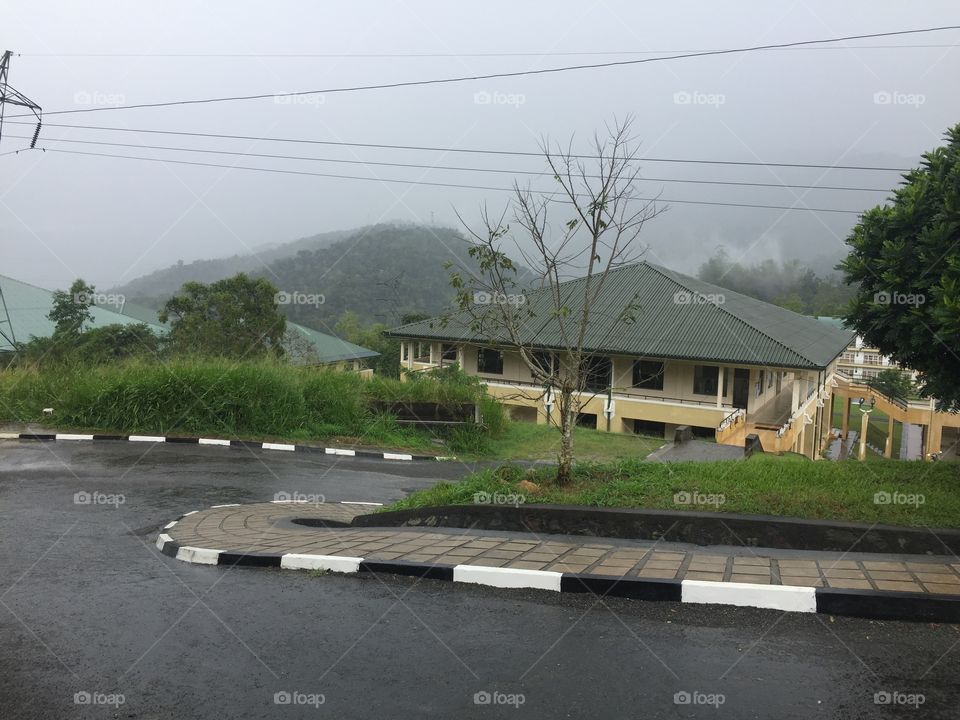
x: 478, y: 151
x: 490, y: 76
x: 417, y: 55
x: 446, y: 167
x: 430, y: 183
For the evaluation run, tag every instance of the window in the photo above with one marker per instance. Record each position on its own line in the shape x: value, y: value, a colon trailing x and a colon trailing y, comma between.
x: 649, y: 427
x: 489, y: 361
x: 448, y: 352
x: 546, y: 361
x: 705, y: 379
x: 770, y: 380
x: 760, y: 384
x: 597, y: 372
x: 648, y: 374
x: 405, y: 350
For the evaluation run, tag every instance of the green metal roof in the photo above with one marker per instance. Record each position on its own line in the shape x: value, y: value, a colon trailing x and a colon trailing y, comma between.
x: 28, y: 306
x: 733, y: 329
x: 329, y: 348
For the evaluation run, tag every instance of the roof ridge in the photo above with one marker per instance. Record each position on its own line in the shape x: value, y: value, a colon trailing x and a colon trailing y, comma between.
x: 723, y: 310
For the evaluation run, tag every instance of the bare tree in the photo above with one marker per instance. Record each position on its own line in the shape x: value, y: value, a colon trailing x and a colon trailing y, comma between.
x: 534, y: 310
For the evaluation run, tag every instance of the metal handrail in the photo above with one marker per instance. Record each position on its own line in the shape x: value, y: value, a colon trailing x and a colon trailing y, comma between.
x: 620, y: 392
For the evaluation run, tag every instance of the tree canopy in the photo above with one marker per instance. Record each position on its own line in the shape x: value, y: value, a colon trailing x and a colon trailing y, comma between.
x: 236, y: 317
x: 905, y: 258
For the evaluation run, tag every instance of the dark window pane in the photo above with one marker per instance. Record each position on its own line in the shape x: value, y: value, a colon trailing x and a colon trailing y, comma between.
x: 705, y: 379
x: 597, y: 371
x: 648, y: 374
x: 489, y: 361
x: 449, y: 352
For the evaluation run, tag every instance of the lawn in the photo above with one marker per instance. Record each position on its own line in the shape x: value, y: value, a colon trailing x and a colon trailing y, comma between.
x: 788, y: 486
x: 528, y: 441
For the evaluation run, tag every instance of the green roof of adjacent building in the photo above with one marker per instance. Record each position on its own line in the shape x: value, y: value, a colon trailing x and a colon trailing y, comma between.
x: 29, y: 305
x: 676, y: 317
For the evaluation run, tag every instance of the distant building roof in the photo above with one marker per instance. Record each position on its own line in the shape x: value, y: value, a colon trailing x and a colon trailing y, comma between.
x: 672, y: 321
x: 28, y: 306
x: 328, y: 348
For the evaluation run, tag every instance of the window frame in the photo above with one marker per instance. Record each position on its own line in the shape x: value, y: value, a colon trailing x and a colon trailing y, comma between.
x: 482, y: 353
x: 640, y: 382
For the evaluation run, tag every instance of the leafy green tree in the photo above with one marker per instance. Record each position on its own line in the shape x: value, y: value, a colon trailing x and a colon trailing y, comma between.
x: 117, y: 342
x: 236, y: 317
x: 905, y: 262
x: 371, y: 336
x: 894, y: 383
x: 71, y: 309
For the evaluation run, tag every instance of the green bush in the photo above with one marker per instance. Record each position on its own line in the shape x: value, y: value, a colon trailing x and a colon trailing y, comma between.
x: 255, y: 399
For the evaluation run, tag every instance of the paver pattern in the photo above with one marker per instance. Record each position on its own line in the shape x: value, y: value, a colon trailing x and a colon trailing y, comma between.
x: 268, y: 528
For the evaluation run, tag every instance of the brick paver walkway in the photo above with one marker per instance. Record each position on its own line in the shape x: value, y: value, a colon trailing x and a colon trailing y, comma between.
x: 268, y: 528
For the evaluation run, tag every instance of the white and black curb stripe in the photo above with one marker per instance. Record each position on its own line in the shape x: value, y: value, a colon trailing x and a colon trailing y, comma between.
x: 283, y: 447
x: 870, y: 604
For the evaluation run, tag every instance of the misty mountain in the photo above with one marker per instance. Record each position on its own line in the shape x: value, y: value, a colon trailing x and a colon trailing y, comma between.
x: 154, y: 288
x: 380, y: 273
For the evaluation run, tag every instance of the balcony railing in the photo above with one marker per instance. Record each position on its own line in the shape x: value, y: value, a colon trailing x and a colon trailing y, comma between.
x: 617, y: 395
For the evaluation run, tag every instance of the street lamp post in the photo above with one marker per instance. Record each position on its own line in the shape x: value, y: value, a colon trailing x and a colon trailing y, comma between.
x: 865, y: 416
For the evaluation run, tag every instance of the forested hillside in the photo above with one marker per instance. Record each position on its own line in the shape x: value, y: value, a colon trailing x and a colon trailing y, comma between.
x: 380, y: 274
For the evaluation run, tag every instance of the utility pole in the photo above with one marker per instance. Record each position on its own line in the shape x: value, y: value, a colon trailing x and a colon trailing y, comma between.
x: 12, y: 96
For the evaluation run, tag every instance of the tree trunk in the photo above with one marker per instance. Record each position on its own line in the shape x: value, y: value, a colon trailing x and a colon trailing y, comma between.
x: 565, y: 458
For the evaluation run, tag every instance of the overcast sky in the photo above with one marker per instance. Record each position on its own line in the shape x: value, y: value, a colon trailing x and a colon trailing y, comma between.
x: 110, y: 220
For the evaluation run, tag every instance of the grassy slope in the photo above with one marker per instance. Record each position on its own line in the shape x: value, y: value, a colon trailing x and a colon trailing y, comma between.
x: 527, y: 441
x: 766, y: 485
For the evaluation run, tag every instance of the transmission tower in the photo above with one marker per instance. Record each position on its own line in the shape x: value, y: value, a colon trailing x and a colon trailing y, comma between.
x: 12, y: 96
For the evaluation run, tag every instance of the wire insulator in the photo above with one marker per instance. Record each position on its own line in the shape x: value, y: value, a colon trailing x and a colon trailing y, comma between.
x: 36, y: 134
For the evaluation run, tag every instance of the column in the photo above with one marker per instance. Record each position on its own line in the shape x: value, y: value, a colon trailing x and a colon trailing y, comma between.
x: 863, y: 435
x: 844, y: 417
x: 888, y: 446
x: 720, y: 387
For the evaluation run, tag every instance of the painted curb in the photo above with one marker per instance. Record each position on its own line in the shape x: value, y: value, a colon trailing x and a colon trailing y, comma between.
x: 282, y: 447
x: 870, y: 604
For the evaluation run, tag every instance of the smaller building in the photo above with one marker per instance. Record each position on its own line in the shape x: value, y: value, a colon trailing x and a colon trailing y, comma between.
x: 860, y: 360
x: 24, y: 309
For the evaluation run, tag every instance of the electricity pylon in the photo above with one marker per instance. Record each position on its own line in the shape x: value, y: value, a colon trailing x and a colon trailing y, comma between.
x: 12, y: 96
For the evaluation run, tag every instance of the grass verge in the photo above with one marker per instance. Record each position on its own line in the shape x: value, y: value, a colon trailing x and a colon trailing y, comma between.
x: 786, y: 486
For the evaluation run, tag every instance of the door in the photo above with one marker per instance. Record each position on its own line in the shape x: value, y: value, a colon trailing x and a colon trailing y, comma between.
x: 741, y: 387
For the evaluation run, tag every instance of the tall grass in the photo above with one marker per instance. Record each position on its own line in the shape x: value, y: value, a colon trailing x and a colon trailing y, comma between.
x: 257, y: 398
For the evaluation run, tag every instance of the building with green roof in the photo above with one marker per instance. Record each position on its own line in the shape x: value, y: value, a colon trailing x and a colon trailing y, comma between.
x: 694, y: 354
x: 27, y: 307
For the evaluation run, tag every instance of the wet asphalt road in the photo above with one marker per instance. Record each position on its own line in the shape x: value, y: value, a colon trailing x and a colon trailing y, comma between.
x: 88, y: 605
